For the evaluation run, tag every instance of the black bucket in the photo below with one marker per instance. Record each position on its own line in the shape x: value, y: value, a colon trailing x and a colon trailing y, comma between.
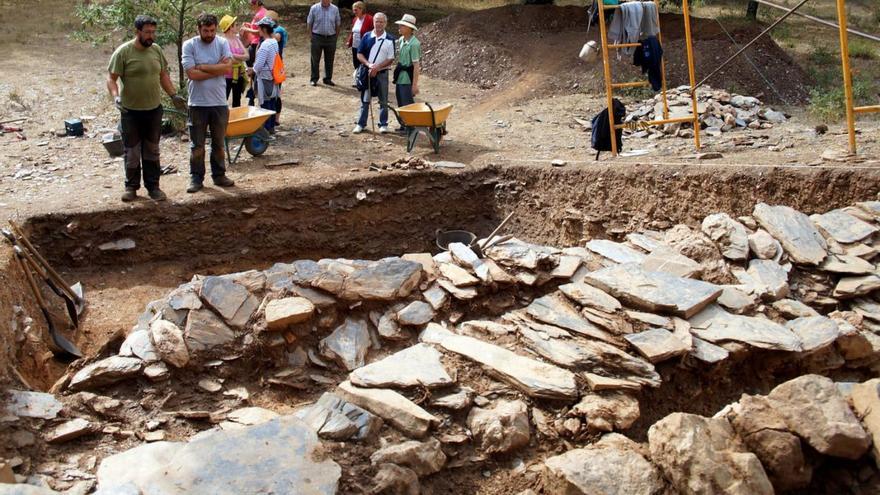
x: 444, y: 239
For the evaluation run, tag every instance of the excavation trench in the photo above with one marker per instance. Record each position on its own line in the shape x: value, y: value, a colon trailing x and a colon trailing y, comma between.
x: 371, y: 217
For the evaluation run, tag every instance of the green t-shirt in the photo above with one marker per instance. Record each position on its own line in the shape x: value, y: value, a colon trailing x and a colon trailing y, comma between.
x: 139, y: 71
x: 410, y: 53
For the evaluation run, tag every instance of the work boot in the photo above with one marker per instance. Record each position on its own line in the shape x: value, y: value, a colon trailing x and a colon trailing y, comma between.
x: 129, y: 195
x: 194, y: 187
x: 223, y: 181
x: 157, y: 194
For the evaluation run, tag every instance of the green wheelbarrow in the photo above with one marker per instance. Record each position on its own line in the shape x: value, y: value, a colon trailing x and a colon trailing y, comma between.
x: 423, y: 117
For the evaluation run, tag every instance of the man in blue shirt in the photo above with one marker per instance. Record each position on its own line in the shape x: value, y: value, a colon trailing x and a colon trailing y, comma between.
x: 206, y: 60
x: 377, y: 53
x: 323, y: 22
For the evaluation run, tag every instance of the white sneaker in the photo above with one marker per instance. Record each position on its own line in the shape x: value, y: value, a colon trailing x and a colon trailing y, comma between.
x: 384, y: 130
x: 357, y: 129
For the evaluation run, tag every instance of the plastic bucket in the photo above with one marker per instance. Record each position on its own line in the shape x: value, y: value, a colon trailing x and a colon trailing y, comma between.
x: 444, y: 239
x: 114, y: 147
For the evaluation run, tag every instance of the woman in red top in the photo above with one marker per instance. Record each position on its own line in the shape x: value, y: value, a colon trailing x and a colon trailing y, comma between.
x: 361, y: 24
x: 250, y: 32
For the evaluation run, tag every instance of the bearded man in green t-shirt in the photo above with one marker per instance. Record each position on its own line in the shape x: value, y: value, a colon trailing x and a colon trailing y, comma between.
x: 142, y: 68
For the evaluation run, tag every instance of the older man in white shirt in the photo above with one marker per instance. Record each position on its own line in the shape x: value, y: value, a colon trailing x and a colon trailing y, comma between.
x: 377, y: 53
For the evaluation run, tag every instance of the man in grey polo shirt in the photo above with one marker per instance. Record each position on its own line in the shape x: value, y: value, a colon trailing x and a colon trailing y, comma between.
x: 323, y: 22
x: 206, y: 60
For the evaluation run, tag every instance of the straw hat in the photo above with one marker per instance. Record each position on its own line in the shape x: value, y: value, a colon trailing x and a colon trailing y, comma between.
x: 408, y: 20
x: 226, y: 22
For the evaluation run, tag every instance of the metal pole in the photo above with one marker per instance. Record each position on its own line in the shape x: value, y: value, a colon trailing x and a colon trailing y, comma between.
x: 662, y: 64
x: 606, y: 62
x: 690, y: 54
x: 847, y: 75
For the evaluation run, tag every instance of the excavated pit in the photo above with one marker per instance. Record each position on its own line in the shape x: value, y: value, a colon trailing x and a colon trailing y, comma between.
x: 371, y: 217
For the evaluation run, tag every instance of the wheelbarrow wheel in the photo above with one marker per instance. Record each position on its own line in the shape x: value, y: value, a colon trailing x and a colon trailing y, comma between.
x: 256, y: 145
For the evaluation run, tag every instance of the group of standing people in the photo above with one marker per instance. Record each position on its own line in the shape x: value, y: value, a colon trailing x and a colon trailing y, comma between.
x: 221, y: 62
x: 374, y: 51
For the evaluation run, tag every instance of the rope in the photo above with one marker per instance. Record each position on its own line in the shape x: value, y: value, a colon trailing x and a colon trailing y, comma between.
x: 752, y: 63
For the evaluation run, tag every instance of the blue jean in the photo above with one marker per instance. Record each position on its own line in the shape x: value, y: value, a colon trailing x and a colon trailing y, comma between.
x: 382, y: 83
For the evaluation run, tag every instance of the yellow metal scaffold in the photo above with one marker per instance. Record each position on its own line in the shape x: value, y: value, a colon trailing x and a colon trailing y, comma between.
x: 610, y: 85
x: 851, y: 109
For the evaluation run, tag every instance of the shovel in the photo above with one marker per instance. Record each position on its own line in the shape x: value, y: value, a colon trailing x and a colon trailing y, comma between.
x: 62, y: 348
x: 72, y: 294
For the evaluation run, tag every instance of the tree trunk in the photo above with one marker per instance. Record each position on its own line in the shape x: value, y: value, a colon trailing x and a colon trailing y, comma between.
x: 752, y: 10
x: 181, y: 18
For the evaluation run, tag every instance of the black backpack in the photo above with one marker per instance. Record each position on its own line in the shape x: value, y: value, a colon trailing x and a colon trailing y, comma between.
x: 601, y: 135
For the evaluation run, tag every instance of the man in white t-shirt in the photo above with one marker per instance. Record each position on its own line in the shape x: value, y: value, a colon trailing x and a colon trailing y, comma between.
x: 377, y: 53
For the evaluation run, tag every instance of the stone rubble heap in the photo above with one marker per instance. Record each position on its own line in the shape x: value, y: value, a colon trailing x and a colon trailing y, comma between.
x: 454, y: 358
x: 720, y: 111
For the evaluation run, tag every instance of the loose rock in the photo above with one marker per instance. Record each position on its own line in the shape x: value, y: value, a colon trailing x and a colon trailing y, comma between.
x: 502, y: 428
x: 423, y: 458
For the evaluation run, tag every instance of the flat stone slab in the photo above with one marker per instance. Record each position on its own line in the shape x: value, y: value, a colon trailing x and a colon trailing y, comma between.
x: 844, y: 263
x: 615, y: 251
x: 534, y: 378
x: 457, y: 275
x: 792, y: 308
x: 69, y: 430
x: 204, y: 330
x: 384, y: 280
x: 394, y: 408
x: 794, y: 230
x: 415, y: 313
x: 556, y: 310
x: 856, y: 286
x: 230, y: 300
x: 25, y: 404
x: 657, y: 344
x: 418, y: 365
x: 843, y: 227
x: 708, y: 352
x: 655, y: 291
x: 281, y: 313
x: 591, y: 355
x: 599, y: 383
x: 671, y: 262
x: 716, y: 325
x: 336, y: 419
x: 587, y: 295
x: 520, y: 254
x: 815, y: 332
x: 138, y: 344
x: 348, y: 344
x: 106, y: 372
x: 277, y: 456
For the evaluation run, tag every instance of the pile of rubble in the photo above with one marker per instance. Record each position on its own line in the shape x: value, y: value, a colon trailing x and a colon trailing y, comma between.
x: 432, y: 363
x: 720, y: 111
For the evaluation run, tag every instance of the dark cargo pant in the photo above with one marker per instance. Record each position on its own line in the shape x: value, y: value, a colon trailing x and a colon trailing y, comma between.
x: 200, y: 120
x: 141, y: 131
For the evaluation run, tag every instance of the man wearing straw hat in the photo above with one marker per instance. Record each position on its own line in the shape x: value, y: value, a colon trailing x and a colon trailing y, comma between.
x: 406, y: 74
x: 377, y: 53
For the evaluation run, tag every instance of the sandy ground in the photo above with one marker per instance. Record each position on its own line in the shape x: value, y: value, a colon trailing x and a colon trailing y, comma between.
x: 45, y: 173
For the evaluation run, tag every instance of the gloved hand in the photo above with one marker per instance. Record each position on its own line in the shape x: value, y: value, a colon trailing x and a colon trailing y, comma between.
x: 118, y: 102
x: 179, y: 102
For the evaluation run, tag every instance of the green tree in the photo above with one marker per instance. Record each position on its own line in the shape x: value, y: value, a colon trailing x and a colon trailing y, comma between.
x: 176, y: 18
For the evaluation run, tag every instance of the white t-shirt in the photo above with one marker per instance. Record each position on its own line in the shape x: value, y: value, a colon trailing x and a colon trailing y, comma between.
x: 356, y: 33
x: 382, y: 50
